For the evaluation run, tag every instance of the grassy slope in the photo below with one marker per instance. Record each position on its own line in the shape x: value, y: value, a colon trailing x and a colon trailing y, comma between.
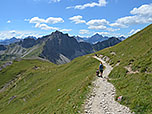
x: 36, y: 52
x: 136, y: 88
x: 36, y: 90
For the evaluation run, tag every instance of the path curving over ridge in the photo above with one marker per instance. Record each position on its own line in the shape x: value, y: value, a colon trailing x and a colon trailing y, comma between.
x: 101, y: 100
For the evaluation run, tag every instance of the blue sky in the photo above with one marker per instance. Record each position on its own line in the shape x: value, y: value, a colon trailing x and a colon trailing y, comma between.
x: 21, y: 18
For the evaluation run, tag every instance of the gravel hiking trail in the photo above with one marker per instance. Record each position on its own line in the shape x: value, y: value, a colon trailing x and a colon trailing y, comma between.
x: 102, y: 98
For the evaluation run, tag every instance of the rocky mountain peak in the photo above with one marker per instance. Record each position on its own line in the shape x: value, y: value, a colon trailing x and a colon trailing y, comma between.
x: 57, y: 33
x: 97, y: 35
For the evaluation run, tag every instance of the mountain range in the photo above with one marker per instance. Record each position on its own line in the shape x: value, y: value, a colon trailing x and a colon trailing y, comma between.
x: 96, y: 38
x: 36, y: 86
x: 92, y: 40
x: 57, y: 47
x: 9, y: 41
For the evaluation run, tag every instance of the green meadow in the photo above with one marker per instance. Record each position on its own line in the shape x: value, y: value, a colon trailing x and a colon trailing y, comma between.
x: 40, y: 87
x: 43, y: 88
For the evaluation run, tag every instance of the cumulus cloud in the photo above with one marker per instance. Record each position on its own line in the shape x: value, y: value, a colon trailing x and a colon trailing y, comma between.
x: 37, y: 20
x: 77, y: 19
x: 133, y: 31
x: 100, y: 24
x: 100, y: 3
x: 18, y: 34
x: 50, y: 20
x: 40, y: 23
x: 144, y: 10
x: 140, y: 15
x: 66, y: 30
x: 9, y: 21
x: 84, y: 31
x: 45, y: 27
x: 97, y: 22
x: 100, y: 27
x: 53, y: 20
x: 118, y: 25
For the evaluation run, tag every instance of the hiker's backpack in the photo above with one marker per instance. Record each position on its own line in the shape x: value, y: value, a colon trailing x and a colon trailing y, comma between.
x: 101, y: 67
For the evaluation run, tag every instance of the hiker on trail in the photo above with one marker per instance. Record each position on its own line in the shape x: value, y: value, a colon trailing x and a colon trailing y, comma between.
x: 101, y: 68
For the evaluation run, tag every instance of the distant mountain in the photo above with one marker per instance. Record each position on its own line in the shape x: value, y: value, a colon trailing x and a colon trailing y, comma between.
x: 9, y: 41
x: 30, y: 37
x: 80, y: 39
x: 57, y: 47
x: 121, y: 38
x: 107, y: 43
x: 27, y: 42
x: 96, y: 38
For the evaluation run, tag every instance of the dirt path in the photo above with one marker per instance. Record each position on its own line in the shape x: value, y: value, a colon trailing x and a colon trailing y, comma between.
x: 101, y: 100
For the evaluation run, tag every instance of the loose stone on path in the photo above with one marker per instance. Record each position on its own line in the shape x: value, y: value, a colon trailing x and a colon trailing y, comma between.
x: 101, y: 99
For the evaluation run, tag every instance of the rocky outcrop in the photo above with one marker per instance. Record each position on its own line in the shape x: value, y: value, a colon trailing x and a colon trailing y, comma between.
x: 61, y: 44
x: 28, y: 42
x: 2, y: 48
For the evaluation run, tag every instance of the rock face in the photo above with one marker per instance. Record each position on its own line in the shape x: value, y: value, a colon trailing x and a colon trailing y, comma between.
x: 107, y: 43
x: 59, y: 46
x: 2, y: 47
x: 28, y: 42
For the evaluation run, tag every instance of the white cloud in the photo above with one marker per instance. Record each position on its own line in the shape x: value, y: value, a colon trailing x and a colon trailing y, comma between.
x: 66, y: 30
x: 133, y: 31
x: 17, y: 34
x: 84, y: 31
x: 37, y: 20
x: 100, y: 24
x: 50, y: 20
x: 141, y: 15
x: 45, y: 27
x: 77, y: 19
x: 118, y: 25
x: 97, y: 22
x: 93, y: 4
x: 53, y: 20
x: 9, y: 21
x: 100, y: 27
x: 144, y: 10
